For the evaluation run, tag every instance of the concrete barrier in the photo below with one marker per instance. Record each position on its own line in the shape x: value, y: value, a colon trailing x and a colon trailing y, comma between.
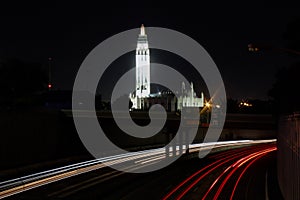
x: 289, y: 156
x: 40, y: 135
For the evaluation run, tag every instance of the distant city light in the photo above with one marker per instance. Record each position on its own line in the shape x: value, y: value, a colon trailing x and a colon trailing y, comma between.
x: 252, y: 47
x: 245, y: 104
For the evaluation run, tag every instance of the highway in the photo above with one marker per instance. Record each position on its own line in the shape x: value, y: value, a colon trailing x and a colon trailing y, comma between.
x: 233, y: 170
x: 225, y: 176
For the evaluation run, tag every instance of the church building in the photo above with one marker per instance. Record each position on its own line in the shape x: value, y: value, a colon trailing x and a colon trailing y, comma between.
x: 142, y: 99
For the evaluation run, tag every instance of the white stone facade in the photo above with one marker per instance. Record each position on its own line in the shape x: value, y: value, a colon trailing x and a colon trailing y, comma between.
x: 142, y: 98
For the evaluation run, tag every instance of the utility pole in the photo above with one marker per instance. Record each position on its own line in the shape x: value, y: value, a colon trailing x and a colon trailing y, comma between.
x: 49, y: 74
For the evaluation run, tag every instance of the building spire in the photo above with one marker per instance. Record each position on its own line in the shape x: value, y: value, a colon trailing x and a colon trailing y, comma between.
x: 142, y: 30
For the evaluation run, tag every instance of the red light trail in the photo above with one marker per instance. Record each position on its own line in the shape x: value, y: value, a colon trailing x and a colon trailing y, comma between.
x: 232, y: 160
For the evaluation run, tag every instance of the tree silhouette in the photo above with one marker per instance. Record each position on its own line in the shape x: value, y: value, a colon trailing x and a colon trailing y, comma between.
x: 292, y: 34
x: 285, y: 90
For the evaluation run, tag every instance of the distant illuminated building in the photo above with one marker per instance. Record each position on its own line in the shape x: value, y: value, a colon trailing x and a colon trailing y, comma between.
x: 142, y: 99
x: 188, y: 98
x: 142, y: 59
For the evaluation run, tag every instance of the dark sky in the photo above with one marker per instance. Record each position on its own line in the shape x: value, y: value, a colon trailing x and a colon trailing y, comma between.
x: 67, y: 32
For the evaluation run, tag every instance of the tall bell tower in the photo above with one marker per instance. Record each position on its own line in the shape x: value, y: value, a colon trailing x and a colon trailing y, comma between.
x: 142, y: 58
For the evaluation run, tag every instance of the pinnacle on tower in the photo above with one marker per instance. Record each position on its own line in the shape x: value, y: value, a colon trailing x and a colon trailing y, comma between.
x: 142, y: 30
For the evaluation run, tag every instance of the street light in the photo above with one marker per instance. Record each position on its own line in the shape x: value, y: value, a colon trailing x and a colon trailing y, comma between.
x: 207, y: 104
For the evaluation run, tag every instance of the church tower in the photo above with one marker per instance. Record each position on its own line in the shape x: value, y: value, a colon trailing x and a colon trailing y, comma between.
x: 142, y: 58
x: 141, y: 99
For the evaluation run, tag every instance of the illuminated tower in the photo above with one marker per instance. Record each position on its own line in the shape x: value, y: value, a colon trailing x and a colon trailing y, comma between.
x: 142, y: 99
x: 142, y: 58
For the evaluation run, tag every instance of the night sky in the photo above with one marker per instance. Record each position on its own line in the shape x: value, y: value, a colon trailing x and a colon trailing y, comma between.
x: 67, y: 32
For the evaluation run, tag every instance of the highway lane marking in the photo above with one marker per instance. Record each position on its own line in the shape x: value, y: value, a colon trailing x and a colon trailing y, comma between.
x: 84, y: 186
x: 81, y: 183
x: 132, y: 168
x: 266, y: 186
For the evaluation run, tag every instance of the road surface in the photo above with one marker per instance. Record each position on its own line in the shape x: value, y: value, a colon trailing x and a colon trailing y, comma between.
x: 243, y: 170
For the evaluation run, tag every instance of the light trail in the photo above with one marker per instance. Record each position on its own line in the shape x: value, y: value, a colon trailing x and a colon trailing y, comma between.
x: 207, y: 173
x: 223, y: 161
x: 152, y: 156
x: 234, y: 168
x: 198, y: 172
x: 242, y: 173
